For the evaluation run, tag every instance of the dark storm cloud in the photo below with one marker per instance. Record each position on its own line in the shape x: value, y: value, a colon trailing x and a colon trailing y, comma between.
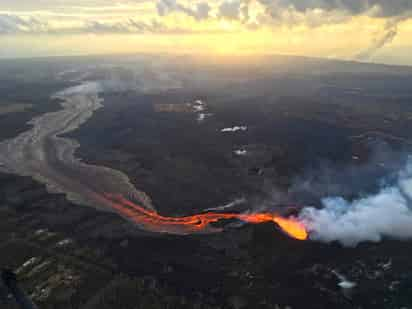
x: 199, y: 12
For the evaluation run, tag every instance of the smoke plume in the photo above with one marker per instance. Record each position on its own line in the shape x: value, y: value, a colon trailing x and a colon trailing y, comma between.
x: 386, y: 37
x: 386, y: 214
x: 389, y: 34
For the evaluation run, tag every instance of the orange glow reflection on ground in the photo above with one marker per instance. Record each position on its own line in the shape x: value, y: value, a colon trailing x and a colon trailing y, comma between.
x: 152, y: 221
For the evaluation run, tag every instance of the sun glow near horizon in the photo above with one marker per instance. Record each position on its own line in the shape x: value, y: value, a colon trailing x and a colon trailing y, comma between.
x: 181, y: 27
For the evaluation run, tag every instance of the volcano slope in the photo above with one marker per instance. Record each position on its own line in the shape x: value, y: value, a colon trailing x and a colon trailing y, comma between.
x: 82, y: 257
x: 79, y: 252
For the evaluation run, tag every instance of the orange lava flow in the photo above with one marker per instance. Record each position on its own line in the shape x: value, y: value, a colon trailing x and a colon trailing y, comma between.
x: 152, y: 221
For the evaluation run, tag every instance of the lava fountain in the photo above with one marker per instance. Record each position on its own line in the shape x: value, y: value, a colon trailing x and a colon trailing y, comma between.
x: 198, y: 223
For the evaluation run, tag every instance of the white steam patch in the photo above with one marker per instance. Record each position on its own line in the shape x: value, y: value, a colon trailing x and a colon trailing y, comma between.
x: 203, y: 116
x: 234, y: 129
x: 232, y: 204
x: 198, y: 108
x: 240, y: 152
x: 371, y: 218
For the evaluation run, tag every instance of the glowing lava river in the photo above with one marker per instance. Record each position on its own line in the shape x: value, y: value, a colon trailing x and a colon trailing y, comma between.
x: 151, y: 220
x: 43, y: 154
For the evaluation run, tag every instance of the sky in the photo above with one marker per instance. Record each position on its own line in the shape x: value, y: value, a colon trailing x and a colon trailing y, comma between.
x: 364, y: 30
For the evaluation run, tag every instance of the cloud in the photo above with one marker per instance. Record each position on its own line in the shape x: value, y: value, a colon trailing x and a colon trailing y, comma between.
x: 128, y: 26
x: 230, y: 9
x: 235, y: 9
x: 10, y: 24
x: 199, y: 12
x: 382, y: 8
x: 202, y: 11
x: 14, y: 24
x: 315, y: 13
x: 104, y: 16
x: 385, y: 214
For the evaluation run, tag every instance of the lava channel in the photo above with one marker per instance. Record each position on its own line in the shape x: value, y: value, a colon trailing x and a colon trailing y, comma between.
x: 152, y: 221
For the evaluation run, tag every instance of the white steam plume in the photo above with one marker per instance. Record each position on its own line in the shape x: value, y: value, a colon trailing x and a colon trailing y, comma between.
x: 232, y: 204
x: 234, y: 129
x: 385, y: 214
